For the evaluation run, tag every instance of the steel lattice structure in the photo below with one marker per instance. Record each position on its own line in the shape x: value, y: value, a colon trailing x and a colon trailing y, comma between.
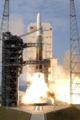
x: 74, y: 53
x: 5, y: 18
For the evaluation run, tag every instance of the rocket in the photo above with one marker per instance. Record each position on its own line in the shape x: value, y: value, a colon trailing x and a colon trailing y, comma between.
x: 39, y: 47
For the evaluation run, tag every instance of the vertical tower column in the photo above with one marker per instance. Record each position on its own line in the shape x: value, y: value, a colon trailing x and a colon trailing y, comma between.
x: 74, y: 55
x: 11, y: 68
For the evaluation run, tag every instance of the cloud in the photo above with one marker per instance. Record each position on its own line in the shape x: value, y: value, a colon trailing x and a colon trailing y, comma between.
x: 16, y: 25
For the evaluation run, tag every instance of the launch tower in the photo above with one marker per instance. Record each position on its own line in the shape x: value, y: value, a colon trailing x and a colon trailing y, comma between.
x: 12, y: 57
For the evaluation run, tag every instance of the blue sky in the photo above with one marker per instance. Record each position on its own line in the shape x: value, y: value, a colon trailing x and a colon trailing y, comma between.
x: 55, y: 12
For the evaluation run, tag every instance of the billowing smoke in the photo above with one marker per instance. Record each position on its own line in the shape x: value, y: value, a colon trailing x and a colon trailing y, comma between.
x: 38, y: 92
x: 56, y: 90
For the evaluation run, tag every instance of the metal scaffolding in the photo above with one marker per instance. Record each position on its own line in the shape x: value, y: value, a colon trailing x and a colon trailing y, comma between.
x: 12, y: 58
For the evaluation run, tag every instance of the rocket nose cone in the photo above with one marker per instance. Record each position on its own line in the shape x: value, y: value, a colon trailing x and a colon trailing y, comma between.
x: 39, y: 24
x: 38, y: 19
x: 38, y: 15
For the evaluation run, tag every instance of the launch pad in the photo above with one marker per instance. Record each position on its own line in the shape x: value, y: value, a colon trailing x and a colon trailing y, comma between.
x: 41, y: 109
x: 40, y: 112
x: 12, y: 63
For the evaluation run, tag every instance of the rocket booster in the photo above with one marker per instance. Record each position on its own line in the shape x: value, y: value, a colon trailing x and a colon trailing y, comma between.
x: 39, y: 47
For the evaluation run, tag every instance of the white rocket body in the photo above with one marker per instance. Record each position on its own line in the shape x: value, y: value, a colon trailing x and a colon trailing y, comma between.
x: 39, y: 48
x: 39, y: 26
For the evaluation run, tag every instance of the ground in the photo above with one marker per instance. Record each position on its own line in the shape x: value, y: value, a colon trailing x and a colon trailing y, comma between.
x: 9, y: 114
x: 53, y: 113
x: 71, y: 113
